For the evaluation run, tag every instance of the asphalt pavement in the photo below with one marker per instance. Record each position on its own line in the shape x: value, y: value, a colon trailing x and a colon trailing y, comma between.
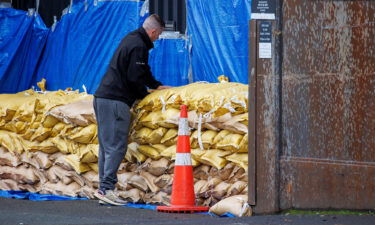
x: 25, y: 212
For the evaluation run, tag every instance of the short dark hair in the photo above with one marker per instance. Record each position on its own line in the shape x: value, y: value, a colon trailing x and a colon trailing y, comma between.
x: 153, y: 21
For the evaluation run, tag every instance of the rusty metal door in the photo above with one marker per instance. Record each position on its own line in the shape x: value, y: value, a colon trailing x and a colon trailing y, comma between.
x: 315, y: 114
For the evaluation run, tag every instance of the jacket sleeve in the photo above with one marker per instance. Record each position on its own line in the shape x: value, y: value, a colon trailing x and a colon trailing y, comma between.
x: 139, y: 73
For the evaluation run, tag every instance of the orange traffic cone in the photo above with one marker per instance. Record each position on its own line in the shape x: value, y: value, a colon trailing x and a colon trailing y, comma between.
x: 183, y: 196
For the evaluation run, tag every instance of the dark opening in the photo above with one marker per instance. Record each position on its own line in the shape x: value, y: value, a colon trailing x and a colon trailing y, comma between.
x: 173, y: 12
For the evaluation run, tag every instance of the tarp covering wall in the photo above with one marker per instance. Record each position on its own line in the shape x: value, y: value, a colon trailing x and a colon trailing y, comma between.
x: 76, y: 51
x: 22, y: 39
x: 219, y: 32
x: 169, y: 61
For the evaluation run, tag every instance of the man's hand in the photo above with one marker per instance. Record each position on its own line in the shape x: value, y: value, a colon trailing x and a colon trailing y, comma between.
x: 163, y: 87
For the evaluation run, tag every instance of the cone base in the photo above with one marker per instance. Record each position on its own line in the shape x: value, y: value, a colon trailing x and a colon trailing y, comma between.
x: 182, y: 209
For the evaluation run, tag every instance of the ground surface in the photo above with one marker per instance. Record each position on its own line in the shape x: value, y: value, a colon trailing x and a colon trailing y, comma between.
x: 24, y: 212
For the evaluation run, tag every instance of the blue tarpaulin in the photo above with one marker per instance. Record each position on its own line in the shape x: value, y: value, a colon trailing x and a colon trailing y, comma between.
x: 169, y: 61
x: 22, y: 39
x: 219, y: 32
x: 36, y: 196
x: 77, y: 50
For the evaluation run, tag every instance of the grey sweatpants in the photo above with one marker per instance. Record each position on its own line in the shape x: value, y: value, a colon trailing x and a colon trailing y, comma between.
x: 113, y: 119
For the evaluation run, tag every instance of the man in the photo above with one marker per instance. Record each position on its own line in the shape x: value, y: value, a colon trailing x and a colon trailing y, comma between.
x: 125, y: 81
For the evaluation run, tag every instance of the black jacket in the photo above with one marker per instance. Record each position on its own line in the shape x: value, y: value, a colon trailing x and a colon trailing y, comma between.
x: 128, y: 73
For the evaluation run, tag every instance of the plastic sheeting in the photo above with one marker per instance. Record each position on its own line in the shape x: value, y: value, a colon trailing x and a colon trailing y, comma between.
x: 35, y: 196
x: 22, y: 39
x: 79, y: 49
x: 169, y: 61
x: 219, y: 32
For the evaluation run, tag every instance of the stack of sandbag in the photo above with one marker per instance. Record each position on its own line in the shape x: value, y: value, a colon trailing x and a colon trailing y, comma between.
x: 218, y: 120
x: 48, y: 140
x: 60, y: 128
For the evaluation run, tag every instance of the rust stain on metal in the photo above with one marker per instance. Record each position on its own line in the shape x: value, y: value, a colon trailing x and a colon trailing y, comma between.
x: 328, y: 95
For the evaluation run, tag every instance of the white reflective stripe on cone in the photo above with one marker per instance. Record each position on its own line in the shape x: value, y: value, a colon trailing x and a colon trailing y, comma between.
x: 183, y: 159
x: 183, y: 127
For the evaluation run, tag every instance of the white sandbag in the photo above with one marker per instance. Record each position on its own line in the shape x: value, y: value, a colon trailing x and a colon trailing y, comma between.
x: 8, y: 185
x: 8, y: 159
x: 138, y: 182
x: 158, y: 167
x: 236, y: 205
x: 133, y: 195
x: 123, y: 179
x: 163, y: 180
x: 91, y: 179
x: 237, y: 188
x: 150, y: 180
x: 20, y: 174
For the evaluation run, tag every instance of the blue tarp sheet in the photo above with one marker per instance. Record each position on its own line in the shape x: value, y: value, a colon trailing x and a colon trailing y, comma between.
x: 35, y: 196
x: 169, y: 61
x: 219, y: 32
x: 22, y: 39
x: 78, y: 50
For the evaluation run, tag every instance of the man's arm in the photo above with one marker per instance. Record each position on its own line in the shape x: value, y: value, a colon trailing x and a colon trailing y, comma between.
x: 139, y: 75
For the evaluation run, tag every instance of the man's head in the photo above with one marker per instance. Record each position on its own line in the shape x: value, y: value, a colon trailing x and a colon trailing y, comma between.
x: 154, y: 26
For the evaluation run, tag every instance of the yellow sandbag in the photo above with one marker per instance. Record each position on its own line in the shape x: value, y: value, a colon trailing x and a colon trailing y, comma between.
x: 149, y: 151
x: 244, y: 144
x: 26, y: 111
x: 156, y: 135
x: 46, y: 146
x: 57, y: 129
x: 240, y: 159
x: 94, y: 167
x: 78, y: 166
x: 197, y: 153
x: 15, y: 126
x: 151, y: 120
x: 214, y: 158
x: 159, y: 147
x: 169, y: 152
x: 142, y: 135
x: 85, y: 135
x: 170, y: 118
x: 169, y: 137
x: 133, y: 152
x: 61, y: 144
x: 10, y: 103
x: 220, y: 136
x: 207, y: 139
x: 11, y: 142
x: 21, y: 127
x: 154, y: 101
x: 86, y: 153
x: 231, y: 142
x: 49, y: 121
x: 41, y: 134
